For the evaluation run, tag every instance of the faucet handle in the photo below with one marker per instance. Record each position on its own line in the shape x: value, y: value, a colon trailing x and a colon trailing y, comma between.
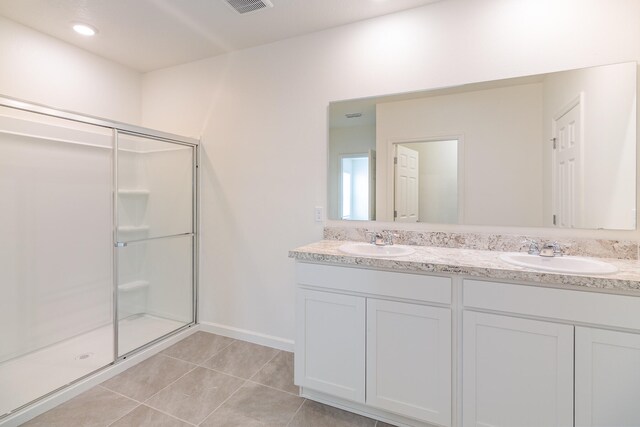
x: 388, y: 237
x: 557, y: 249
x: 534, y: 249
x: 371, y: 235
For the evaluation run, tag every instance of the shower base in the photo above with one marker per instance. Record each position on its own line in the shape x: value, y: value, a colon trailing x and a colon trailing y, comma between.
x: 26, y: 378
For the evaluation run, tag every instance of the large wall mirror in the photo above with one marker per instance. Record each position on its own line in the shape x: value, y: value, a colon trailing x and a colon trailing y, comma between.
x: 550, y: 150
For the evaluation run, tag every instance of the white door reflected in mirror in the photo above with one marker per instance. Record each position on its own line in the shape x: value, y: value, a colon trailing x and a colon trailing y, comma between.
x: 508, y: 171
x: 426, y: 184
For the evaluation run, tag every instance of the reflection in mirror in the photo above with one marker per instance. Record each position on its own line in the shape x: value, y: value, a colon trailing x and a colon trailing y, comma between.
x: 552, y: 150
x: 356, y: 186
x: 426, y: 182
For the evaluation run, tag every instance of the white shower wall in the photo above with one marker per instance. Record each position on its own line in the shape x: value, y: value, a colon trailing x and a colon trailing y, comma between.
x: 155, y: 199
x: 56, y: 228
x: 169, y: 173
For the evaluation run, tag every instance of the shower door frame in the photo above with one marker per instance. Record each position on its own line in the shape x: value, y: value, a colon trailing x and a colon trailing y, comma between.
x: 119, y: 127
x: 172, y: 139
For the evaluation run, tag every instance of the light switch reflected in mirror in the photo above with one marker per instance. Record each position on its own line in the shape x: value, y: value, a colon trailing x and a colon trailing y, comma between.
x: 552, y: 150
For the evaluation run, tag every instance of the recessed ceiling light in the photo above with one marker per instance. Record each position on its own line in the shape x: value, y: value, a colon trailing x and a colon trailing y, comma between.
x: 84, y: 29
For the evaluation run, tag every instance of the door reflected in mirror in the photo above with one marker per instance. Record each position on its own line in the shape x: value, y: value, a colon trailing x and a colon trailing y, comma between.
x: 426, y: 182
x: 550, y: 150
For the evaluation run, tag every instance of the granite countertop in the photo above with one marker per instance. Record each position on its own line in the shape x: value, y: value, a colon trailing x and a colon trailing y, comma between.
x: 476, y: 264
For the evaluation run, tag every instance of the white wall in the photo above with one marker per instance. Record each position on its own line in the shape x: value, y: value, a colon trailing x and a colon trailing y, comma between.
x: 502, y: 137
x: 41, y: 69
x: 609, y: 140
x: 262, y: 113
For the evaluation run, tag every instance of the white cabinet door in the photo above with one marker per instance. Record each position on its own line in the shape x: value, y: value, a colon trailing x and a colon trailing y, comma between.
x: 409, y: 360
x: 607, y: 378
x: 516, y: 372
x: 330, y: 343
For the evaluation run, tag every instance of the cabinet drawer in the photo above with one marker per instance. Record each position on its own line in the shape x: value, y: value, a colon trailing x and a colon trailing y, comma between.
x: 381, y: 283
x: 574, y: 306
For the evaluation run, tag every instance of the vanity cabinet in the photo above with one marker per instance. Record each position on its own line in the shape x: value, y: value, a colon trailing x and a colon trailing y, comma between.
x: 405, y: 366
x: 524, y: 372
x: 330, y: 343
x: 422, y: 350
x: 409, y: 359
x: 607, y: 368
x: 516, y: 372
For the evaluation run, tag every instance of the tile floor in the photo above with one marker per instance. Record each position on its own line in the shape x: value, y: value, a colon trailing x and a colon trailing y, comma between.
x: 204, y: 380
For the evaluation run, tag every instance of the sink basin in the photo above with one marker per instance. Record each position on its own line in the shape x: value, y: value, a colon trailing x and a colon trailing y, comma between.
x: 368, y: 249
x: 565, y: 264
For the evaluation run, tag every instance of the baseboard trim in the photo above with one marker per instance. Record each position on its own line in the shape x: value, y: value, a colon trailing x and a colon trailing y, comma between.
x: 246, y: 335
x: 366, y: 411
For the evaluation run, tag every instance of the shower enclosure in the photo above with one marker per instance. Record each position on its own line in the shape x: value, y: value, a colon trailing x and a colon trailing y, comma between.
x: 98, y: 245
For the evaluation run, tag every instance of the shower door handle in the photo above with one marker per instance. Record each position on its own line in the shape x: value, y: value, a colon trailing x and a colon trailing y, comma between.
x: 120, y: 244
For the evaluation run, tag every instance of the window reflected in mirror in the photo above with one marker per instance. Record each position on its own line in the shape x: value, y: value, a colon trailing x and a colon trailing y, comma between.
x: 355, y: 187
x: 549, y: 150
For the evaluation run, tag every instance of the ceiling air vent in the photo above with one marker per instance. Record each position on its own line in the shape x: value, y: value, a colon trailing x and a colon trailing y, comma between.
x: 246, y: 6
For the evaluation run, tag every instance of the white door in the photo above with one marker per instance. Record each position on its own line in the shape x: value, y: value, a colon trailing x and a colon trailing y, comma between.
x: 406, y: 185
x: 607, y: 378
x: 330, y: 343
x: 516, y: 372
x: 409, y: 360
x: 568, y: 169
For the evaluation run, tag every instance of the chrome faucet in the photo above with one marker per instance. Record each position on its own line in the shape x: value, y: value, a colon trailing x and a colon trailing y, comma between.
x: 376, y: 238
x: 548, y: 249
x: 551, y: 250
x: 534, y: 249
x: 379, y: 238
x: 388, y: 237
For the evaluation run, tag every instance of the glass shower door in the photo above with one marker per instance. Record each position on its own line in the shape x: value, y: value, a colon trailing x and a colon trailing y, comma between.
x: 154, y: 239
x: 56, y: 303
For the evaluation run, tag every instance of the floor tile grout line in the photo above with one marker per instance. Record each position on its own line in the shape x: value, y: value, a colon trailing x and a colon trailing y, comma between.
x: 153, y: 409
x: 268, y: 361
x: 233, y: 341
x: 139, y: 403
x: 274, y: 388
x: 252, y: 381
x: 169, y: 415
x: 224, y: 401
x: 143, y: 402
x: 120, y: 394
x: 296, y: 413
x: 172, y: 383
x: 127, y: 413
x: 225, y: 373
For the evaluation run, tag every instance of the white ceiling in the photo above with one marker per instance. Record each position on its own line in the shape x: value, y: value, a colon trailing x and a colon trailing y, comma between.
x: 151, y: 34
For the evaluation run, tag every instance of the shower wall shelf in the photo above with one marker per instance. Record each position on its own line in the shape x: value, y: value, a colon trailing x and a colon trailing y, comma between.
x: 131, y: 192
x: 133, y: 285
x: 133, y: 228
